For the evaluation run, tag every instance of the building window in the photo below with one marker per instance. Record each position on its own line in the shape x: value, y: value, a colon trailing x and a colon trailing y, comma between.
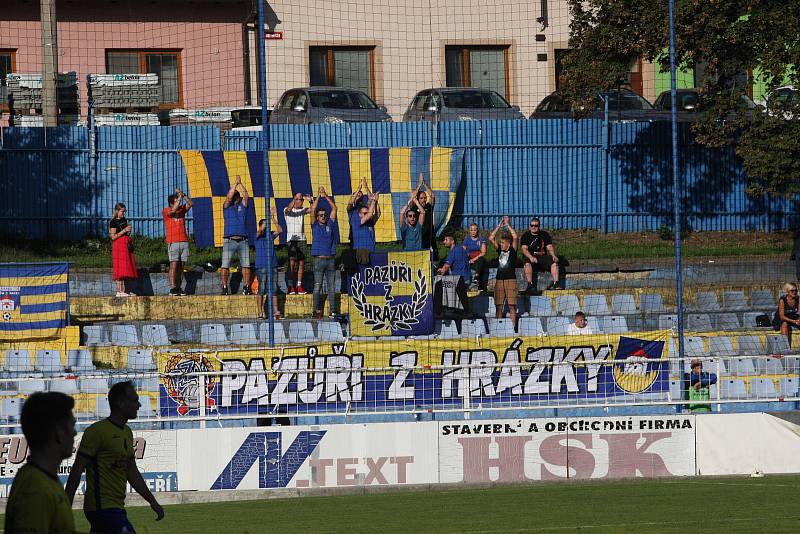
x: 339, y: 66
x: 7, y: 65
x: 166, y: 64
x: 485, y: 67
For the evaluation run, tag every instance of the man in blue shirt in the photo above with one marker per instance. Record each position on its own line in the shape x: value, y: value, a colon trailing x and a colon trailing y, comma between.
x: 325, y: 237
x: 362, y: 225
x: 457, y: 262
x: 699, y: 384
x: 411, y: 229
x: 234, y: 213
x: 265, y: 259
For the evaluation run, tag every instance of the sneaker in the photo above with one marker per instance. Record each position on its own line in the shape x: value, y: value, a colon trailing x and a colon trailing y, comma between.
x: 131, y: 294
x: 225, y: 290
x: 175, y: 292
x: 301, y: 291
x: 292, y: 291
x: 121, y: 294
x: 181, y: 292
x: 246, y: 290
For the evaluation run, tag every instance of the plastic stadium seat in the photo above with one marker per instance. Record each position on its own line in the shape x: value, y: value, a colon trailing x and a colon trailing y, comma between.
x: 699, y: 322
x: 244, y: 334
x: 567, y: 305
x: 791, y: 365
x: 11, y: 408
x: 155, y: 335
x: 769, y: 366
x: 447, y: 329
x: 762, y: 388
x: 667, y: 322
x: 623, y: 304
x: 595, y: 305
x: 330, y: 331
x: 749, y: 346
x: 94, y: 336
x: 213, y: 334
x: 102, y: 408
x: 727, y: 321
x: 778, y: 344
x: 501, y: 327
x: 540, y: 306
x: 734, y: 300
x: 18, y: 361
x: 694, y: 346
x: 482, y: 305
x: 749, y: 319
x: 741, y: 367
x: 278, y: 333
x: 49, y: 361
x: 707, y: 301
x: 530, y: 326
x: 789, y: 387
x: 651, y: 303
x: 614, y: 324
x: 301, y: 332
x: 473, y: 328
x: 733, y: 388
x: 557, y: 326
x: 141, y: 360
x: 67, y: 386
x: 147, y: 384
x: 124, y: 335
x: 721, y: 346
x: 594, y: 323
x: 93, y: 385
x: 763, y: 298
x: 79, y: 360
x: 676, y: 389
x: 146, y: 410
x: 27, y: 386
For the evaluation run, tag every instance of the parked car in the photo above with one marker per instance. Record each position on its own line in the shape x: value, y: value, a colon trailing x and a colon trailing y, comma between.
x: 460, y: 104
x: 309, y: 105
x: 690, y: 104
x: 247, y: 116
x: 622, y: 105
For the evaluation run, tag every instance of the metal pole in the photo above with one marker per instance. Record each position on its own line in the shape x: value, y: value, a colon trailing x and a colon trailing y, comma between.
x: 262, y: 69
x: 47, y: 10
x: 676, y: 181
x: 606, y: 152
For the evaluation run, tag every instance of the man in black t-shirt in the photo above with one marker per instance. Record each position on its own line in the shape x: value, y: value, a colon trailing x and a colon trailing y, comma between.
x: 539, y: 253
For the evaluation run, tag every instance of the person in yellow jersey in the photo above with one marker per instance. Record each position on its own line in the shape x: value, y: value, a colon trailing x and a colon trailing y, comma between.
x: 37, y: 502
x: 106, y: 454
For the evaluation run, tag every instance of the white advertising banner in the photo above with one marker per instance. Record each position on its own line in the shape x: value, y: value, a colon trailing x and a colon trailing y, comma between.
x: 309, y: 457
x: 547, y: 449
x: 156, y: 457
x: 741, y: 444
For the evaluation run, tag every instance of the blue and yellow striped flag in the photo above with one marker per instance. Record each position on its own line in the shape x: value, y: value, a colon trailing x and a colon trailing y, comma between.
x: 392, y: 172
x: 33, y: 300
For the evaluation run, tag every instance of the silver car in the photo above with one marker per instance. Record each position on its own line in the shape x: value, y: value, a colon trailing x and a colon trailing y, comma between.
x: 460, y: 104
x: 310, y: 105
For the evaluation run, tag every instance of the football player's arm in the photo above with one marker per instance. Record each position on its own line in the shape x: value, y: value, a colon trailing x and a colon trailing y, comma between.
x: 140, y: 486
x: 78, y: 467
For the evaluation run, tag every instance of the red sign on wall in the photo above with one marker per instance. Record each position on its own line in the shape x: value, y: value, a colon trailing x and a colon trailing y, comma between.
x: 273, y: 36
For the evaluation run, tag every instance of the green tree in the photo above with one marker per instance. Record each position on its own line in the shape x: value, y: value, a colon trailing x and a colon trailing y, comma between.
x: 725, y: 41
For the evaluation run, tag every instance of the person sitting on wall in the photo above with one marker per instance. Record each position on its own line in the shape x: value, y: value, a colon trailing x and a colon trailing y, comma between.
x: 539, y: 254
x: 787, y: 317
x: 580, y: 327
x: 447, y: 294
x: 699, y: 384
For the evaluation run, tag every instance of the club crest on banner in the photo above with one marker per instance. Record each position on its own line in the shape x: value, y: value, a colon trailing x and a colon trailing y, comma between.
x: 185, y: 389
x: 637, y: 364
x: 9, y: 302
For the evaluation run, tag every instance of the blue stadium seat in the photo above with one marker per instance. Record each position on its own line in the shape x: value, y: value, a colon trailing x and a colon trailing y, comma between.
x: 244, y: 334
x: 530, y: 326
x: 734, y: 300
x: 146, y: 410
x: 501, y: 327
x: 67, y: 386
x: 749, y: 319
x: 749, y: 346
x: 763, y: 299
x: 567, y: 305
x: 558, y: 326
x: 330, y: 331
x: 742, y: 367
x: 651, y: 303
x: 473, y: 328
x: 727, y: 321
x: 594, y: 324
x: 79, y: 360
x: 155, y: 335
x: 762, y: 388
x: 769, y: 366
x: 213, y: 334
x: 124, y: 335
x: 721, y: 346
x: 706, y: 301
x: 447, y: 329
x: 732, y: 388
x: 28, y: 386
x: 301, y: 332
x: 623, y: 304
x: 675, y: 389
x: 148, y: 384
x: 667, y: 322
x: 18, y: 361
x: 49, y: 361
x: 93, y: 385
x: 94, y: 336
x: 614, y: 324
x: 699, y: 322
x: 790, y: 387
x: 540, y: 306
x: 141, y: 360
x: 11, y: 408
x: 482, y: 305
x: 595, y: 305
x: 694, y: 347
x: 778, y: 344
x: 279, y: 332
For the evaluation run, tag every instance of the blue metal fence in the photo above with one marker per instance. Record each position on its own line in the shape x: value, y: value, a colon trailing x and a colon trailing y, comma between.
x: 574, y: 174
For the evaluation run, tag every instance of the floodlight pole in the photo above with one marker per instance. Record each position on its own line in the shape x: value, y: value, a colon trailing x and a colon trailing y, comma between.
x: 676, y: 181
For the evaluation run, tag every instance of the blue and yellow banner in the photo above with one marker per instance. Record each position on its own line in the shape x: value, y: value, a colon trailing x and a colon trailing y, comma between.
x: 393, y: 296
x: 392, y: 172
x: 33, y: 300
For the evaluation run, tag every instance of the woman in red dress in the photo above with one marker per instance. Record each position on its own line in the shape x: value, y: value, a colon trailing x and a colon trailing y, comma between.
x: 122, y: 251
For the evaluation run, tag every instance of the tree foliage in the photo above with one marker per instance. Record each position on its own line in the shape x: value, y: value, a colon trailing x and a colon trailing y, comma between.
x: 726, y: 41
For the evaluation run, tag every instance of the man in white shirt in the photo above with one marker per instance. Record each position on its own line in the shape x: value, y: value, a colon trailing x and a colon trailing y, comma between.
x: 580, y: 327
x: 295, y: 215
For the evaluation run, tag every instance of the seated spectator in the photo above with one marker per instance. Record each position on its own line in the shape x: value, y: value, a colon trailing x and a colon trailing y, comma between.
x: 457, y: 262
x: 266, y: 259
x: 580, y: 327
x: 475, y: 245
x: 539, y: 254
x: 410, y: 227
x: 787, y: 317
x: 699, y: 384
x: 505, y: 287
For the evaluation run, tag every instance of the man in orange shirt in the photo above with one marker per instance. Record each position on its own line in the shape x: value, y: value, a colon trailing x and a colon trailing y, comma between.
x: 177, y: 240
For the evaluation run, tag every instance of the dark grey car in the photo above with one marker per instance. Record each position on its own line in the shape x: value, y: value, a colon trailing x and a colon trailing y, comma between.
x: 690, y: 104
x: 331, y: 105
x: 460, y: 104
x: 622, y: 105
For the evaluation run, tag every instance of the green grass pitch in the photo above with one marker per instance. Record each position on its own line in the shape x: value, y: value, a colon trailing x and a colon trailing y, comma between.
x: 730, y: 504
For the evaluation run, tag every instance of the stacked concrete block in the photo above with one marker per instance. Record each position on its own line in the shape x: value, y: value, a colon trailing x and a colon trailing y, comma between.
x: 127, y: 119
x: 124, y: 90
x: 219, y: 116
x: 25, y: 91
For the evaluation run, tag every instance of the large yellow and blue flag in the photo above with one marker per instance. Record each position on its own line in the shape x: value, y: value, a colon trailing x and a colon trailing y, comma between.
x: 34, y: 300
x: 392, y: 172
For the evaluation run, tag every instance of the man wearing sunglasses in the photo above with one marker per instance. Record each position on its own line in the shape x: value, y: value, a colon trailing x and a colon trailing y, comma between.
x: 539, y: 254
x: 412, y: 224
x: 325, y: 235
